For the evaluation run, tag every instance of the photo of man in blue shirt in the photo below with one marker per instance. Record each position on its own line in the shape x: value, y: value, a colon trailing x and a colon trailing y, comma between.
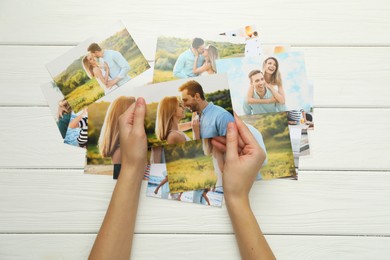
x: 117, y: 64
x: 213, y: 118
x: 185, y: 63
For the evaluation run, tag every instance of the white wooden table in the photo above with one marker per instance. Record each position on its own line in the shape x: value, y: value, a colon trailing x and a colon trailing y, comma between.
x: 339, y: 208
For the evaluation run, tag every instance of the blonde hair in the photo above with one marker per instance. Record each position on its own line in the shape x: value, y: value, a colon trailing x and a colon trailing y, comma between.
x: 109, y: 135
x: 213, y: 55
x: 165, y: 114
x: 207, y: 146
x: 88, y: 67
x: 276, y: 77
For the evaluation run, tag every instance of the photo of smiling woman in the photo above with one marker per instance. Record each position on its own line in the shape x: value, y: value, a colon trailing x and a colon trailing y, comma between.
x: 272, y: 83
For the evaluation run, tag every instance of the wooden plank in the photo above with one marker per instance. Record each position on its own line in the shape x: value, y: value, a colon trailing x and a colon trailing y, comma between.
x: 343, y: 139
x: 327, y: 203
x: 174, y: 246
x: 325, y: 23
x: 340, y: 80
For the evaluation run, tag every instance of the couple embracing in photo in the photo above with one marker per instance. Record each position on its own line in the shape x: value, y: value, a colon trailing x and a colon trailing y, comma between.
x: 108, y: 67
x: 197, y: 60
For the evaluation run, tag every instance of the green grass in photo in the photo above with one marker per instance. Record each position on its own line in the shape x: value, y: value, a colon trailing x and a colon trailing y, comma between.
x: 191, y: 174
x: 276, y: 136
x: 85, y: 95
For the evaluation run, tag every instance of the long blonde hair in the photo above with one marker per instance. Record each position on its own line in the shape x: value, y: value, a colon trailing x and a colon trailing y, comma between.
x: 276, y: 77
x: 213, y: 55
x: 165, y: 114
x: 87, y: 66
x: 207, y: 146
x: 109, y: 135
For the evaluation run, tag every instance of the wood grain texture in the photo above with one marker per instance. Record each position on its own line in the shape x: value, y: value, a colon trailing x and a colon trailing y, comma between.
x: 339, y: 208
x: 331, y: 203
x: 341, y: 140
x: 156, y: 247
x: 342, y: 77
x: 300, y: 22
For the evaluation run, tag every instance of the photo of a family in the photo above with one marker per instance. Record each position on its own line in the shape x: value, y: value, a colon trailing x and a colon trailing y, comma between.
x: 189, y: 109
x: 97, y: 66
x: 191, y: 57
x: 158, y: 187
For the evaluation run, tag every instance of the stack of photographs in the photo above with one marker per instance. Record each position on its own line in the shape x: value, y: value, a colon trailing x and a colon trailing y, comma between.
x: 196, y: 84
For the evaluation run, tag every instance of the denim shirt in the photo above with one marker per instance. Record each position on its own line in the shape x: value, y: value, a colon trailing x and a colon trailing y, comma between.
x: 118, y: 65
x: 214, y: 120
x: 185, y: 64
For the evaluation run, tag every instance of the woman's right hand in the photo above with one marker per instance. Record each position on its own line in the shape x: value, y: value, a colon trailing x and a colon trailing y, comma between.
x: 244, y: 158
x: 195, y: 125
x: 133, y: 141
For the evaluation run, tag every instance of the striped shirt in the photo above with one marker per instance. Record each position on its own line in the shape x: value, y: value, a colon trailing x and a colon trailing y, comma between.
x: 83, y: 136
x: 294, y: 115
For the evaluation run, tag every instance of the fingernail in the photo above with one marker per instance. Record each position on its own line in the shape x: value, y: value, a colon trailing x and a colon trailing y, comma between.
x: 230, y: 126
x: 140, y: 101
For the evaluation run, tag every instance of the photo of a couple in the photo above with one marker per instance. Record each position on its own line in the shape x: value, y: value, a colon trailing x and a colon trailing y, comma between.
x: 186, y: 58
x: 97, y: 66
x: 109, y: 67
x: 265, y: 93
x: 260, y: 86
x: 192, y: 109
x: 166, y: 122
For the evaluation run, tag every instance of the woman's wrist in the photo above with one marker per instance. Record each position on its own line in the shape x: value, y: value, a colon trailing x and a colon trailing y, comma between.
x: 135, y: 172
x: 237, y: 202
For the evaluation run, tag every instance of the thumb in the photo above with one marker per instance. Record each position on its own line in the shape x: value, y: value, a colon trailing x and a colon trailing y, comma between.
x: 139, y: 115
x: 231, y: 142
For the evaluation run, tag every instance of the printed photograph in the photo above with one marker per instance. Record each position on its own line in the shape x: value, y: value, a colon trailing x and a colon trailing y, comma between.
x: 59, y: 107
x: 97, y: 66
x: 190, y: 166
x: 260, y: 86
x: 73, y: 126
x: 178, y: 58
x: 77, y: 132
x: 158, y: 187
x: 253, y: 46
x: 274, y: 131
x: 186, y: 109
x: 103, y: 148
x: 300, y: 122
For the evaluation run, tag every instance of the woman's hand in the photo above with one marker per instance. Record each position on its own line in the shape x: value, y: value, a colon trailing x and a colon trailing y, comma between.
x: 196, y: 53
x: 195, y: 125
x: 243, y: 161
x: 133, y: 141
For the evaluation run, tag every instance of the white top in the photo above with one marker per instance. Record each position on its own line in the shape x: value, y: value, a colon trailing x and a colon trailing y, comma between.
x: 104, y: 73
x: 182, y: 133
